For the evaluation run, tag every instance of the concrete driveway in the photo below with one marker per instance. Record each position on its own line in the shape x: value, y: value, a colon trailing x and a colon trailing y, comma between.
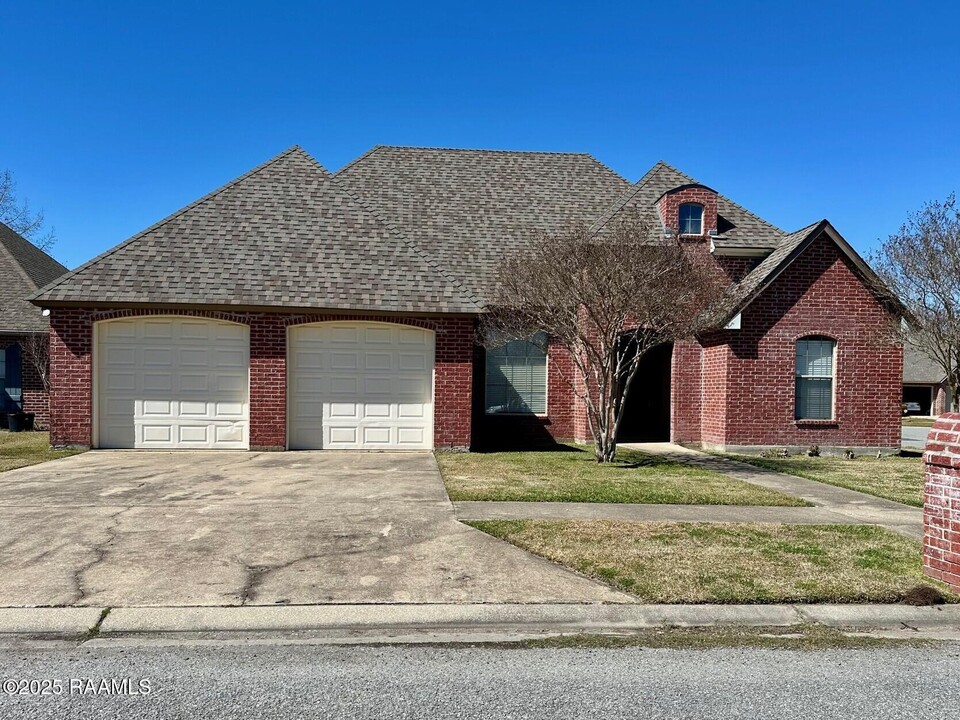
x: 224, y: 528
x: 914, y: 438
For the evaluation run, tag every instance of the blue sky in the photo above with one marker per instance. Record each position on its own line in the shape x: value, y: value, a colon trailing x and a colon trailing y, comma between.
x: 115, y: 115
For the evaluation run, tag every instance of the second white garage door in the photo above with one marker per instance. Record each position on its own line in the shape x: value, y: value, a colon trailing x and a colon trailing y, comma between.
x: 360, y: 386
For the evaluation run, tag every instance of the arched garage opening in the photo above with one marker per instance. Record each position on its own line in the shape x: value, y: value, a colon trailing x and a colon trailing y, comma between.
x: 170, y: 382
x: 359, y: 386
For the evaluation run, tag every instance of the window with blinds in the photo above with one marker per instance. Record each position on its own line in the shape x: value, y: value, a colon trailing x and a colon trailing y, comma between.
x: 516, y: 379
x: 815, y: 376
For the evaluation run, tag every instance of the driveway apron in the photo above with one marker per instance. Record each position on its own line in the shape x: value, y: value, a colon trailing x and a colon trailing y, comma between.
x: 142, y: 528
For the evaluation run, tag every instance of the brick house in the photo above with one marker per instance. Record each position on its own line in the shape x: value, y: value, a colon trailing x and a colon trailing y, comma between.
x: 298, y: 309
x: 23, y: 269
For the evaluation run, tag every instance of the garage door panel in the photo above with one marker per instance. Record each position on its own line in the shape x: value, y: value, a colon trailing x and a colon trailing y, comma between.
x: 360, y: 386
x: 407, y: 436
x: 171, y: 383
x: 156, y: 329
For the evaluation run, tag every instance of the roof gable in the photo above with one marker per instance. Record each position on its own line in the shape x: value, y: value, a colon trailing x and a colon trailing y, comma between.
x: 23, y: 268
x: 741, y: 294
x: 285, y: 234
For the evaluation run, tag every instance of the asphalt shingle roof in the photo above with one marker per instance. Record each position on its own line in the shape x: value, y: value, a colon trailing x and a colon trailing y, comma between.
x: 286, y: 234
x: 23, y: 268
x: 467, y: 208
x: 399, y: 229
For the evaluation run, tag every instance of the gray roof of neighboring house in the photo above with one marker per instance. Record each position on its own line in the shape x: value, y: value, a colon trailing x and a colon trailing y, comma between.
x: 285, y: 234
x: 23, y: 268
x: 920, y: 368
x: 467, y: 207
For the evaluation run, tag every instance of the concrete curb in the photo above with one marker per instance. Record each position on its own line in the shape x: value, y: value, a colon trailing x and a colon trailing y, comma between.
x: 520, y: 618
x: 458, y: 621
x: 48, y: 621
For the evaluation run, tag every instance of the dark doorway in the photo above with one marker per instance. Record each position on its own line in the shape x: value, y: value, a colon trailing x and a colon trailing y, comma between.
x: 646, y: 416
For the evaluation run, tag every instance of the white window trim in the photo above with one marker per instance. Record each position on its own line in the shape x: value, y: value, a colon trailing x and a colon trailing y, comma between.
x: 833, y: 379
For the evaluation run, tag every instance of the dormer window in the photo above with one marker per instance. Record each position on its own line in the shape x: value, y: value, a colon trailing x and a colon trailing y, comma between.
x: 691, y: 219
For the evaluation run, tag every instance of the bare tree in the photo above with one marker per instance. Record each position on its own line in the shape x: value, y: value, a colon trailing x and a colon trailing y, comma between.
x: 18, y: 216
x: 920, y: 263
x: 35, y: 349
x: 606, y: 300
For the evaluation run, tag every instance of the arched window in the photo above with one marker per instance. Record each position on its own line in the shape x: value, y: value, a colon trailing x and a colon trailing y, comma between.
x: 815, y: 378
x: 691, y: 219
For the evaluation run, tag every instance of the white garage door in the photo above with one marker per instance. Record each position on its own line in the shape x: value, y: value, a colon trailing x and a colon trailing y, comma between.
x: 168, y: 382
x: 360, y: 386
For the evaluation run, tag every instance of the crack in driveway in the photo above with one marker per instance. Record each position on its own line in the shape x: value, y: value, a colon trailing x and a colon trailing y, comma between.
x: 100, y: 553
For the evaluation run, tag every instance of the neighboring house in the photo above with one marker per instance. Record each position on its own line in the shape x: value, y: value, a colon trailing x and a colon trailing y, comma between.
x: 23, y: 269
x: 294, y: 308
x: 924, y: 382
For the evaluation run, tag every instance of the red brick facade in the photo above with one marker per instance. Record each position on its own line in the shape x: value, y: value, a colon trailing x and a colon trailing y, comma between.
x: 733, y: 389
x: 941, y: 501
x: 737, y: 387
x: 35, y: 398
x: 72, y: 386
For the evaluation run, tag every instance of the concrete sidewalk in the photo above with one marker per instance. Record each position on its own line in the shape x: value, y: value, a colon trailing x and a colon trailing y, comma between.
x: 454, y: 623
x: 488, y: 510
x: 858, y: 507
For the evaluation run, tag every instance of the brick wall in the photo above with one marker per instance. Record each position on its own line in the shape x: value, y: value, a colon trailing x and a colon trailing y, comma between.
x: 820, y: 294
x: 669, y: 207
x: 71, y: 380
x: 686, y: 392
x: 941, y: 501
x: 453, y: 383
x: 35, y: 398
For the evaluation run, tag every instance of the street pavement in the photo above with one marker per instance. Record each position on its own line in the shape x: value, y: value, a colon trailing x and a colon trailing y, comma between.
x: 309, y: 681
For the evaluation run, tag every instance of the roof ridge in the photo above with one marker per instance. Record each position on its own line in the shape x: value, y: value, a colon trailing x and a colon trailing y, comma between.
x: 419, y: 251
x: 169, y: 218
x: 565, y: 153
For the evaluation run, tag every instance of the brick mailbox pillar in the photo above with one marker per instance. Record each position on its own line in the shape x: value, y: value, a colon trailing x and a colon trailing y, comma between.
x: 941, y: 501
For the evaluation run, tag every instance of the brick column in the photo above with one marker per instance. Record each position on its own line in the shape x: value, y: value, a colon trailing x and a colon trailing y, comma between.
x: 941, y: 501
x: 71, y: 382
x: 268, y: 383
x: 453, y: 383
